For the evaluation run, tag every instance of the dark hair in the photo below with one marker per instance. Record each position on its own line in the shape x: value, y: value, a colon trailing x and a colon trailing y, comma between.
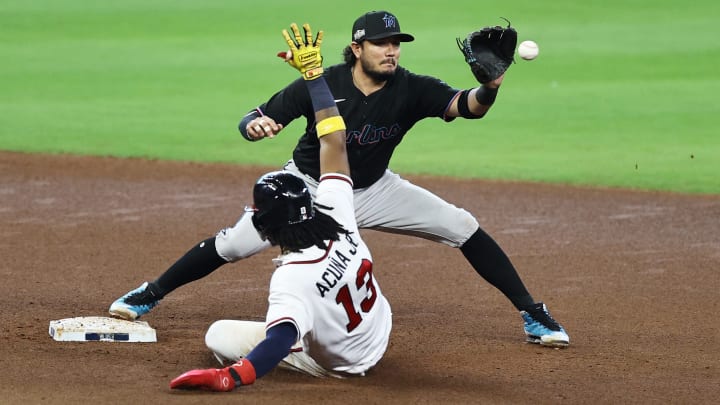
x: 348, y: 56
x: 313, y: 232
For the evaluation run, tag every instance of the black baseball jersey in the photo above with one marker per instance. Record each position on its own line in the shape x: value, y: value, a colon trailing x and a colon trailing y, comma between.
x: 375, y: 124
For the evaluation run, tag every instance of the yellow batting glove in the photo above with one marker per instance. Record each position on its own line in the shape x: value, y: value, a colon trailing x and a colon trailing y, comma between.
x: 305, y: 53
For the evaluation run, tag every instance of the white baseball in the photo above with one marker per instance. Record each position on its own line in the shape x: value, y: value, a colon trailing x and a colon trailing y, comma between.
x: 528, y: 50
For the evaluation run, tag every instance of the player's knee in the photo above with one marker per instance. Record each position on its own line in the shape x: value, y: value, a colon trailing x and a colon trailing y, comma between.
x: 224, y: 246
x: 468, y: 220
x: 240, y: 241
x: 461, y: 225
x: 216, y: 337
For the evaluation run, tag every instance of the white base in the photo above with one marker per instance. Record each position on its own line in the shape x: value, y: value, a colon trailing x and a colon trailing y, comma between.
x: 103, y: 329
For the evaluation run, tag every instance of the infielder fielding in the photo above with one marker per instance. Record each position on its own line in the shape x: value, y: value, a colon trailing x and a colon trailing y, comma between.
x: 380, y: 101
x: 323, y: 293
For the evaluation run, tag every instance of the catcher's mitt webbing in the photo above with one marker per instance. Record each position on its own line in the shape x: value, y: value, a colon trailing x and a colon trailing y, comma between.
x: 489, y: 51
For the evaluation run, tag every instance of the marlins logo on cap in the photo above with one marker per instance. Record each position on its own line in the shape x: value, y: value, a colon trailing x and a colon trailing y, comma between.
x: 378, y: 25
x: 389, y: 20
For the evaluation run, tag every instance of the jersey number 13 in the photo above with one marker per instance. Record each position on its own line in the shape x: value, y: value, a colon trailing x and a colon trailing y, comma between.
x: 364, y: 279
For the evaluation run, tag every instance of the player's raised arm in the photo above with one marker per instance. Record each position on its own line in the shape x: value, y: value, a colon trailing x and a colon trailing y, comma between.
x: 304, y: 55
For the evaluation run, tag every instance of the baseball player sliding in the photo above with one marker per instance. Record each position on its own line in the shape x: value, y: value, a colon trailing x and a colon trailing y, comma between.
x: 327, y: 315
x: 380, y: 102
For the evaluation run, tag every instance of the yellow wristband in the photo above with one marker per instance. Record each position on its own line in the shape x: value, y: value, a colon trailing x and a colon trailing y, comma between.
x: 330, y: 125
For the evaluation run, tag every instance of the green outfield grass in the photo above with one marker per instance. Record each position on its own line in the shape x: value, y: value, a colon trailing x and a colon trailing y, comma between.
x: 623, y: 93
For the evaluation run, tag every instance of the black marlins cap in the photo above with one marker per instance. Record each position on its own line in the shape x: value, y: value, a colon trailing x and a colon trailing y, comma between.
x: 378, y: 25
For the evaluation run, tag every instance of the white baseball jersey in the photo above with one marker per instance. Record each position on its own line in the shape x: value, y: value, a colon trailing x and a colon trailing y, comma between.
x: 331, y: 296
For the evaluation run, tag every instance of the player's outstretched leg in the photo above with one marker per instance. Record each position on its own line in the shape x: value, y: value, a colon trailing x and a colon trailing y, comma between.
x: 201, y: 260
x: 541, y: 328
x: 491, y: 262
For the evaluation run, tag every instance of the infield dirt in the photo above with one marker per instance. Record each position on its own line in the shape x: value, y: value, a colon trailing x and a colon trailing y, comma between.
x: 633, y: 276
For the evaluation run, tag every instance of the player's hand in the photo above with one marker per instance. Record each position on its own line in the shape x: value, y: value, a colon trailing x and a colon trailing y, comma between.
x: 262, y: 127
x: 304, y: 54
x: 217, y: 379
x: 213, y: 379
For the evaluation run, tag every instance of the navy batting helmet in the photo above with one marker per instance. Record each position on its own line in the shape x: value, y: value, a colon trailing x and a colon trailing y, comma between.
x: 281, y: 199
